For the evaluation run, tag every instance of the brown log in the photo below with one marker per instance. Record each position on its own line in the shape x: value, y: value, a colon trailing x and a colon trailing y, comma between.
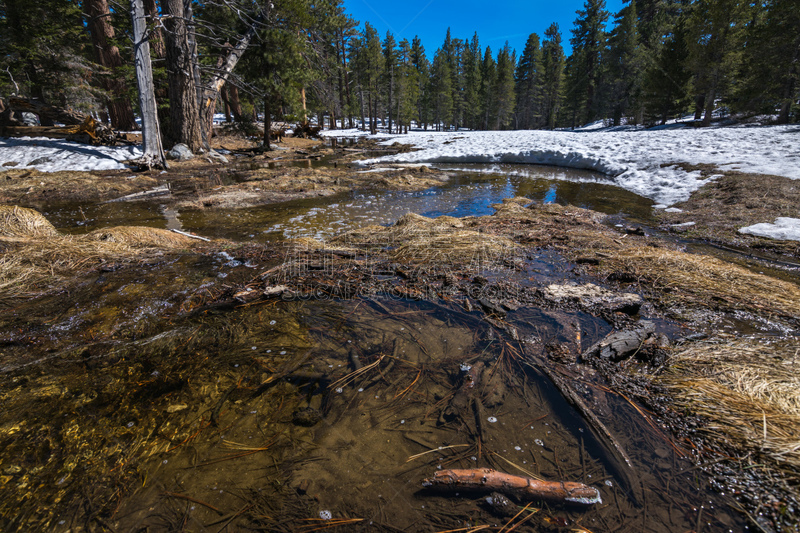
x: 44, y: 111
x: 520, y: 487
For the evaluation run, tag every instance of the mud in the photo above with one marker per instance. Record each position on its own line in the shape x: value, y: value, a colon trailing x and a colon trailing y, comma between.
x: 736, y: 200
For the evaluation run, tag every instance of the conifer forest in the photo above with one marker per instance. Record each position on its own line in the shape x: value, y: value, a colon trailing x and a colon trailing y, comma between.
x: 652, y: 61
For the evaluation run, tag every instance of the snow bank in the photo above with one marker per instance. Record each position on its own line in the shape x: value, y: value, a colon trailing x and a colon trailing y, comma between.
x: 52, y: 155
x: 784, y: 229
x: 643, y: 162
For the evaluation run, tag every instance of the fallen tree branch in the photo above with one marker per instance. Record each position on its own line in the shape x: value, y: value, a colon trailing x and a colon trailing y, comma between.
x: 522, y: 488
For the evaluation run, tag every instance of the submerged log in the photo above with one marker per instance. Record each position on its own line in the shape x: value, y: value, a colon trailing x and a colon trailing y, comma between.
x: 522, y: 488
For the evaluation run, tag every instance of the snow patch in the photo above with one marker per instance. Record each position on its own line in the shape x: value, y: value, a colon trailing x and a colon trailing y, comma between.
x: 784, y: 229
x: 53, y: 155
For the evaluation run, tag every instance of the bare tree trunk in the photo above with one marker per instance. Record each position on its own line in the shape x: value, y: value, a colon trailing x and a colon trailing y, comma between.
x: 153, y: 156
x: 221, y: 76
x: 184, y: 124
x: 119, y: 105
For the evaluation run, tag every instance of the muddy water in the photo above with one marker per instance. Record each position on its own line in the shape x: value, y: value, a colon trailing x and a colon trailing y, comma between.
x: 128, y: 407
x: 124, y: 410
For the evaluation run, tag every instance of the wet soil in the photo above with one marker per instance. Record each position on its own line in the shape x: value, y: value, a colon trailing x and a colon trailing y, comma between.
x: 733, y: 201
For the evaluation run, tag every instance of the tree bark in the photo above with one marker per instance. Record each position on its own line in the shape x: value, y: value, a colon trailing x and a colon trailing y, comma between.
x: 153, y: 156
x: 107, y: 54
x: 156, y: 34
x: 184, y: 124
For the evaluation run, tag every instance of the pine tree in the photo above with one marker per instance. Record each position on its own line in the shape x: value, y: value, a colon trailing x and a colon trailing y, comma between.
x: 422, y: 67
x: 528, y: 85
x: 773, y: 84
x: 552, y: 75
x: 717, y: 30
x: 407, y: 86
x: 390, y: 63
x: 472, y: 83
x: 588, y: 48
x: 488, y: 76
x: 504, y: 97
x: 626, y: 65
x: 43, y: 47
x: 441, y: 91
x: 666, y: 83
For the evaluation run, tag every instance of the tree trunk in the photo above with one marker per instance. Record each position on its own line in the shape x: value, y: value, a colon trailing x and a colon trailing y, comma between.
x: 208, y: 105
x: 184, y: 126
x: 267, y: 121
x: 156, y: 34
x: 119, y: 107
x: 153, y: 156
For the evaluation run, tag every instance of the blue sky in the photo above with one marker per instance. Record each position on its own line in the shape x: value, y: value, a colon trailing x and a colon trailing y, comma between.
x: 496, y: 22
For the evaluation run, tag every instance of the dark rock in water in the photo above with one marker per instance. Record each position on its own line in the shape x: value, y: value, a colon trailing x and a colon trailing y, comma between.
x: 500, y: 505
x: 621, y: 344
x: 306, y: 417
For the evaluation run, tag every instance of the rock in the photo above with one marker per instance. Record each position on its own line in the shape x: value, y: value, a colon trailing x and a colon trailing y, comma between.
x: 180, y: 152
x: 306, y: 417
x: 216, y: 157
x: 621, y: 344
x: 40, y: 161
x: 592, y: 296
x: 10, y: 164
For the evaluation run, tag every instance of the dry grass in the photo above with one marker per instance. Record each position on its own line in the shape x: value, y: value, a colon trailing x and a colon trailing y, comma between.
x: 37, y: 258
x: 23, y: 222
x: 436, y: 241
x: 700, y: 279
x: 748, y: 390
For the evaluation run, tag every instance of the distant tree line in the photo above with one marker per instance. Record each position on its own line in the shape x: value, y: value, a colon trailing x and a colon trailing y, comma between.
x: 652, y: 61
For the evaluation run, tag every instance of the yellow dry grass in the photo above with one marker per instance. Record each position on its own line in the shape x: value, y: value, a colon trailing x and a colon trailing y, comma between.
x: 37, y: 258
x: 443, y: 240
x: 23, y: 222
x: 747, y: 389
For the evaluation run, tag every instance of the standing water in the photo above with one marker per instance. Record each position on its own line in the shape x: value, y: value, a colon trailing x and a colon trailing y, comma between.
x: 130, y: 406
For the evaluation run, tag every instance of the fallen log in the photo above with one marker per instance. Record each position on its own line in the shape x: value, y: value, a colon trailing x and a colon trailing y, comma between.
x: 522, y: 488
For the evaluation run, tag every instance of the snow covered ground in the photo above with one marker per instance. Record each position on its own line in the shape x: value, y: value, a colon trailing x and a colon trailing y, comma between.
x: 52, y: 155
x: 641, y: 161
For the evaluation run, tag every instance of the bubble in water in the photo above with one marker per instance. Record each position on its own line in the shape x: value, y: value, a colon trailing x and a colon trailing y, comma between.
x: 539, y: 442
x: 492, y: 419
x: 339, y: 390
x: 325, y: 514
x: 131, y: 424
x: 518, y: 448
x: 272, y: 322
x: 609, y: 483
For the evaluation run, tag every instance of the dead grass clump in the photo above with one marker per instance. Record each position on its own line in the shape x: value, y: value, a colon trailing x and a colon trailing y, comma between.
x: 443, y: 240
x: 37, y: 258
x: 705, y: 280
x: 141, y: 237
x: 748, y: 390
x: 23, y: 222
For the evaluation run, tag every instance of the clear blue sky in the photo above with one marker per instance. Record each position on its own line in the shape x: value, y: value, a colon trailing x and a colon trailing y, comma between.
x: 495, y: 21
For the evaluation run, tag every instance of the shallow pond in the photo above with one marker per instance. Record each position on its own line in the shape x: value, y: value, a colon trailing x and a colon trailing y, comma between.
x: 470, y: 192
x: 130, y: 407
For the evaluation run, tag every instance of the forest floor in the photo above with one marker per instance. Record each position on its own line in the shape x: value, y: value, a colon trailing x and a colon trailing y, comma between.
x: 740, y: 320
